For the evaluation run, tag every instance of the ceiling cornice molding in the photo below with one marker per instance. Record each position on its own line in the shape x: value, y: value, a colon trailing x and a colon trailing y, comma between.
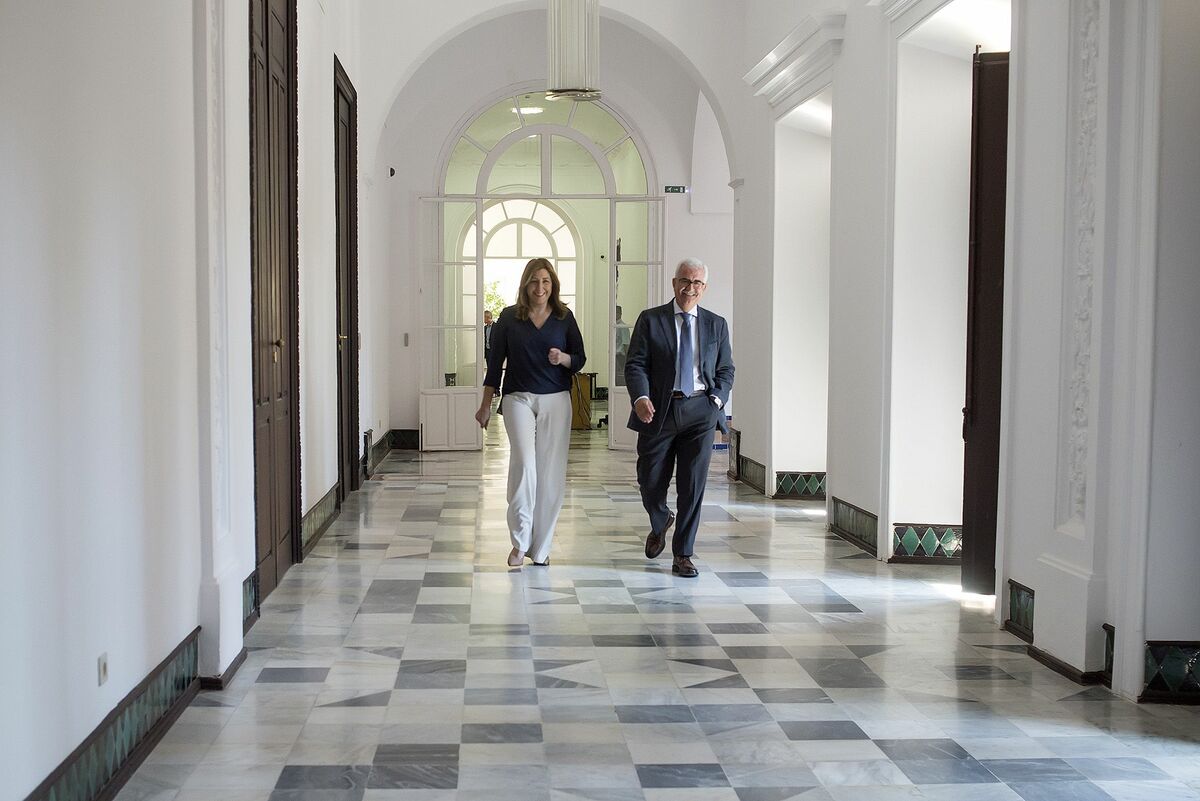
x: 893, y: 9
x: 804, y: 58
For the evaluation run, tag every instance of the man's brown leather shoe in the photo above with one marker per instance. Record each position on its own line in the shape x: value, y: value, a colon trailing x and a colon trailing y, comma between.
x: 682, y: 566
x: 656, y: 541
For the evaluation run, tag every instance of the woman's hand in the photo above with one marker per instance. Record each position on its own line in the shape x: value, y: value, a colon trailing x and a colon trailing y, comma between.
x: 485, y: 406
x: 560, y: 358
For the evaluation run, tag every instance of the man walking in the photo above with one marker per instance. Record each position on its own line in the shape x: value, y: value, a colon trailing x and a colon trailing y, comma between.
x: 679, y: 371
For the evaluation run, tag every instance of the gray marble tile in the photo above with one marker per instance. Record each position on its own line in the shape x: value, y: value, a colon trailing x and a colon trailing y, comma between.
x: 945, y: 771
x: 293, y: 675
x: 682, y: 775
x: 822, y: 730
x: 1033, y: 770
x: 413, y: 777
x: 1060, y: 791
x: 323, y: 777
x: 501, y: 733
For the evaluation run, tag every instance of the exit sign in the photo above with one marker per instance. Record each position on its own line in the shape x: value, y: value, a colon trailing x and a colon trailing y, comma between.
x: 675, y: 190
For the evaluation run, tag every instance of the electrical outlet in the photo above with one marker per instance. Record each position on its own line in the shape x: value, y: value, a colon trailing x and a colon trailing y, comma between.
x: 102, y: 669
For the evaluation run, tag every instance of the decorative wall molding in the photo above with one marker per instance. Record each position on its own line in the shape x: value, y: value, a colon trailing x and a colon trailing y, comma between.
x: 926, y: 542
x: 856, y: 526
x: 802, y: 64
x: 316, y: 521
x: 806, y: 486
x: 1134, y: 294
x: 1084, y: 193
x: 104, y: 761
x: 221, y: 559
x: 893, y: 9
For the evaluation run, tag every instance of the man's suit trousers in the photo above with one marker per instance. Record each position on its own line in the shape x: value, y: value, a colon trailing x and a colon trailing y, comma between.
x: 682, y: 446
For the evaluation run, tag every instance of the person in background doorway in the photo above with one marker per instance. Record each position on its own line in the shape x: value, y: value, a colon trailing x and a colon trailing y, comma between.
x: 621, y: 334
x: 487, y: 334
x: 540, y: 341
x: 679, y: 372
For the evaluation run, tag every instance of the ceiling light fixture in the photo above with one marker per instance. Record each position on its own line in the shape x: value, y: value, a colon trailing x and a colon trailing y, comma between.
x: 528, y: 110
x: 573, y: 49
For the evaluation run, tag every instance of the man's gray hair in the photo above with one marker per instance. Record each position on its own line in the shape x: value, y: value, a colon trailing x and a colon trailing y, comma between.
x: 694, y: 263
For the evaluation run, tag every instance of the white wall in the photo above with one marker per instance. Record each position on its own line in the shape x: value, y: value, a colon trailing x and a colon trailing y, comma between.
x: 929, y: 286
x: 800, y: 358
x: 858, y: 218
x: 1172, y: 603
x: 709, y: 191
x: 98, y: 446
x: 317, y: 255
x: 324, y: 28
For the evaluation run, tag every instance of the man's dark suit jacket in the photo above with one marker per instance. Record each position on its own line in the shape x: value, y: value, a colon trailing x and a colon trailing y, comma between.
x: 650, y: 362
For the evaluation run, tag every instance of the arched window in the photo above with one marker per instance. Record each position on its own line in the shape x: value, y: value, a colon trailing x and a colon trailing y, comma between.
x: 528, y: 145
x: 515, y: 231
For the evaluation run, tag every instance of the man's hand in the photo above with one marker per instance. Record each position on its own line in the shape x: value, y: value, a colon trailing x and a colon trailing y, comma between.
x: 484, y: 415
x: 558, y: 357
x: 644, y: 410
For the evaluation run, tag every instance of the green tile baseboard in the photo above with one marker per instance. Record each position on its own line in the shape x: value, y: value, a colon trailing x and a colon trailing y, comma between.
x: 250, y: 600
x: 1020, y: 611
x: 104, y: 761
x: 806, y: 486
x: 752, y: 473
x: 406, y: 439
x: 1172, y: 672
x: 1110, y: 647
x: 378, y: 451
x: 926, y: 542
x: 856, y: 526
x: 317, y: 519
x: 735, y: 452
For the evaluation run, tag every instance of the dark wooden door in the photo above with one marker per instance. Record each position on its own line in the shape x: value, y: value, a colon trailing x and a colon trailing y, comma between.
x: 985, y: 322
x: 345, y: 104
x: 274, y: 287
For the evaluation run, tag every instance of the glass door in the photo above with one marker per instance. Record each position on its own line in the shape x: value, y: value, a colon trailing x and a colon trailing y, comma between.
x: 451, y: 334
x: 636, y: 285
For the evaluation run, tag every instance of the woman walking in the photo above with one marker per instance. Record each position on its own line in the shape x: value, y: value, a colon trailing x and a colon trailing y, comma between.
x: 541, y: 342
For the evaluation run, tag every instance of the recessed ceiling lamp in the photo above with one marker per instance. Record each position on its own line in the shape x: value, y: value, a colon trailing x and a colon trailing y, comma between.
x: 573, y: 48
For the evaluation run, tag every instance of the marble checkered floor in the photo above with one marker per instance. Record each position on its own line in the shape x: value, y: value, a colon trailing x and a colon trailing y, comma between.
x: 404, y: 660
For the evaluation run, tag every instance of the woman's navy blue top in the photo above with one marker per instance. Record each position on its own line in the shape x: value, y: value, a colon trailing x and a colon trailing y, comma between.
x: 527, y: 350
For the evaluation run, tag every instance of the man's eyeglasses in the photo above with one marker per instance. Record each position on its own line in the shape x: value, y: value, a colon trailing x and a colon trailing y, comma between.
x: 694, y: 284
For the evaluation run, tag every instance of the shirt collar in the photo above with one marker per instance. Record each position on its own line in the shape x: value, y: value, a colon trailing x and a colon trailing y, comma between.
x: 695, y: 312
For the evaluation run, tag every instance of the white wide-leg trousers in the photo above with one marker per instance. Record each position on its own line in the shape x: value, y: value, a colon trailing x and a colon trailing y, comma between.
x: 539, y: 434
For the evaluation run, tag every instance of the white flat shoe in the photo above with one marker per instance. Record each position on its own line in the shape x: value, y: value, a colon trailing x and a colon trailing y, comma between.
x: 515, y: 558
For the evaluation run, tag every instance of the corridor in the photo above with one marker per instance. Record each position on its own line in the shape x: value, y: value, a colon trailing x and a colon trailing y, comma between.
x: 404, y: 660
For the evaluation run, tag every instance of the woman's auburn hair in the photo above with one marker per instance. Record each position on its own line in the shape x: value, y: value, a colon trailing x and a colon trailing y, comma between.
x: 557, y: 307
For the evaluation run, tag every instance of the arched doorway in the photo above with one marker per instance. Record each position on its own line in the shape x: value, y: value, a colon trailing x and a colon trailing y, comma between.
x: 525, y: 177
